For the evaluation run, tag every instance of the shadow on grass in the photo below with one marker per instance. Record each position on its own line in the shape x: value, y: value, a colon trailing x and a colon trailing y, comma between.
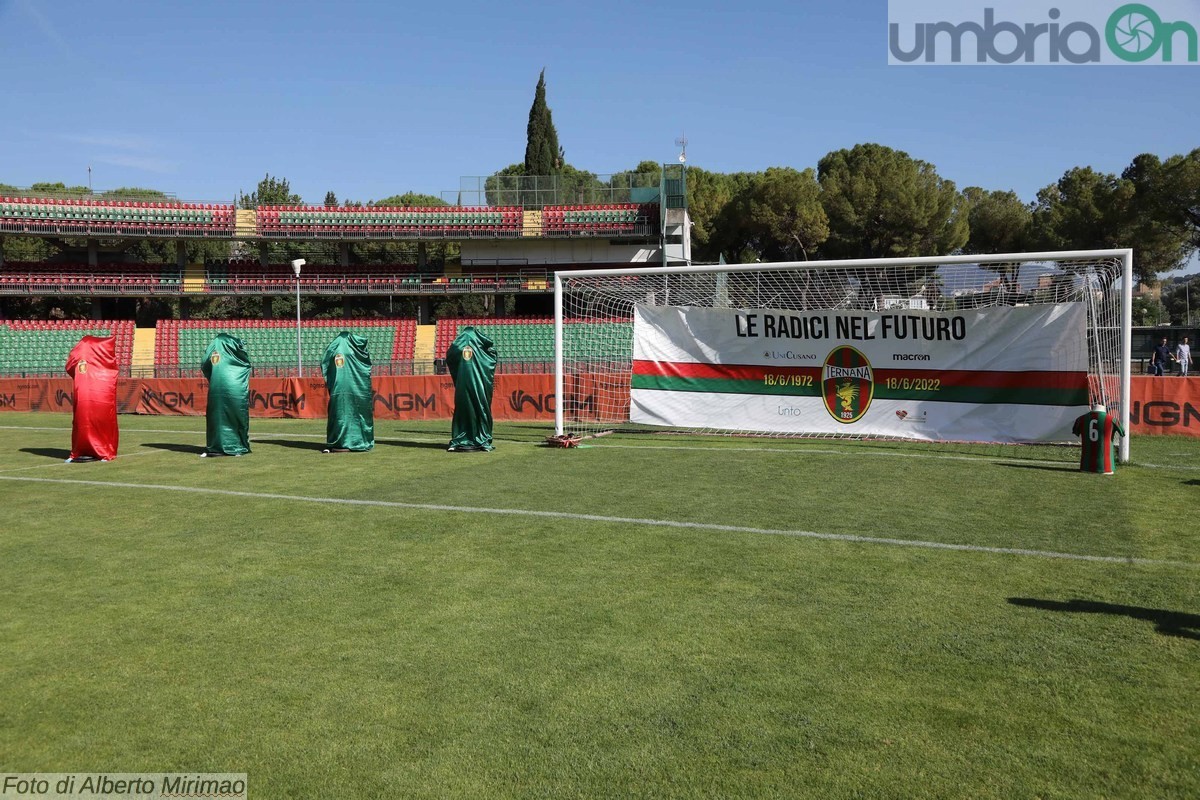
x: 1063, y: 468
x: 509, y: 433
x: 1170, y: 623
x: 176, y: 448
x: 47, y: 452
x: 404, y: 443
x: 295, y: 444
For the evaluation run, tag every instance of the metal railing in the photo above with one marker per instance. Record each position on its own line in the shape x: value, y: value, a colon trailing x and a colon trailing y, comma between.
x: 643, y: 227
x: 526, y: 281
x: 535, y: 191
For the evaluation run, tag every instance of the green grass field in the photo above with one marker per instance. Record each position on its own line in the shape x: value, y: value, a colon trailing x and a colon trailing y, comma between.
x: 647, y: 617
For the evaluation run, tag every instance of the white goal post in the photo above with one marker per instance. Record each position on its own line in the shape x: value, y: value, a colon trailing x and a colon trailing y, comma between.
x: 728, y: 348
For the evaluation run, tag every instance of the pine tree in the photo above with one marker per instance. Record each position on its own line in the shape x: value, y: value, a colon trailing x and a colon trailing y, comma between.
x: 543, y: 156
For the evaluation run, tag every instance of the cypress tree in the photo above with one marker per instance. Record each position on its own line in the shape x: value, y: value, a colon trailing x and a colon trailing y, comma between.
x: 543, y: 156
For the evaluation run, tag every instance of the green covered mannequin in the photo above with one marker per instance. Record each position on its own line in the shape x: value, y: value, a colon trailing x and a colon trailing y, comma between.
x: 472, y: 363
x: 347, y: 370
x: 227, y: 368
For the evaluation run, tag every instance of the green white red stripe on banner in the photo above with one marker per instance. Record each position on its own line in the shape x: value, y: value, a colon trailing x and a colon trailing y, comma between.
x: 951, y: 386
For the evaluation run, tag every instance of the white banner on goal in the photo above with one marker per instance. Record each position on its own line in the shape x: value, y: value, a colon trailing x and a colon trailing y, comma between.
x: 1000, y: 374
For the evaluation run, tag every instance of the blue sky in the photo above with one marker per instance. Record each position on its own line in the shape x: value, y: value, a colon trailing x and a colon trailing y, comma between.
x: 369, y: 99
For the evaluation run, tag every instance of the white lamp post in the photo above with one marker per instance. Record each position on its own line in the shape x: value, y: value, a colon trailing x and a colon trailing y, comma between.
x: 296, y: 265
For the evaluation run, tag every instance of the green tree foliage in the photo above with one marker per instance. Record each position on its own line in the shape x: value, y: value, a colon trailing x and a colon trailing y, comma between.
x: 999, y: 222
x: 411, y: 199
x: 135, y: 193
x: 1148, y: 311
x: 1162, y: 219
x: 1153, y: 207
x: 571, y: 185
x: 543, y: 155
x: 58, y: 188
x: 1180, y: 193
x: 27, y: 248
x: 1181, y: 299
x: 331, y: 200
x: 623, y: 186
x: 1169, y: 193
x: 1084, y: 209
x: 504, y: 187
x: 270, y: 191
x: 883, y: 203
x: 777, y: 216
x: 708, y: 195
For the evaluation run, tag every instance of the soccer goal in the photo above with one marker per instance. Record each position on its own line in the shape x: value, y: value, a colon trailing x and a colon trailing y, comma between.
x: 998, y: 348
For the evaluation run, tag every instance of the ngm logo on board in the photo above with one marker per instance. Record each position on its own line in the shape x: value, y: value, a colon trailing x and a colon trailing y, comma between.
x: 1163, y: 32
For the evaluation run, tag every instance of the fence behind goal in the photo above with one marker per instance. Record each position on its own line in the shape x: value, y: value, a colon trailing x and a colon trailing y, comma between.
x: 595, y: 346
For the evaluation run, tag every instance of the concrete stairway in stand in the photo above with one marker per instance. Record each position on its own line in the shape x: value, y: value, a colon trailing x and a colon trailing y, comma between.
x: 142, y: 358
x: 423, y: 350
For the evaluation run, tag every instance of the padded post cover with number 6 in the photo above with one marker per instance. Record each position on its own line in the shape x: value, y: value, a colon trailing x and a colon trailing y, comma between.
x: 93, y: 365
x: 227, y: 368
x: 347, y: 370
x: 1096, y: 430
x: 472, y: 363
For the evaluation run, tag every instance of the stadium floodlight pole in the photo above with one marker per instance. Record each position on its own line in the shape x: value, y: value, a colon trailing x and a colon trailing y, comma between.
x: 296, y: 265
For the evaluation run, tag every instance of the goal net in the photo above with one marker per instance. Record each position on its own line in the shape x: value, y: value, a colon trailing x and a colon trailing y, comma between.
x: 1003, y: 348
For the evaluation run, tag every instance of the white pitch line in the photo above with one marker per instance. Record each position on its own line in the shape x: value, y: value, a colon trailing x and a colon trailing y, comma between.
x: 800, y: 451
x: 850, y: 451
x: 658, y: 523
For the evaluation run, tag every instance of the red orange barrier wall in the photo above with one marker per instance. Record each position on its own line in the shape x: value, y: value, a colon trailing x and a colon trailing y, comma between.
x: 516, y: 397
x: 1165, y: 405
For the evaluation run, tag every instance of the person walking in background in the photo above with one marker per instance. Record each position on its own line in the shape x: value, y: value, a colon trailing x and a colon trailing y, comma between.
x: 1160, y: 358
x: 1183, y: 354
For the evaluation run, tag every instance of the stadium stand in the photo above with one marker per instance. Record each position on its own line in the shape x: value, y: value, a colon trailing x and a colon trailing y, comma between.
x: 271, y: 344
x: 41, y: 348
x: 91, y: 216
x: 83, y: 279
x: 600, y: 220
x: 308, y: 222
x: 133, y: 217
x: 248, y: 277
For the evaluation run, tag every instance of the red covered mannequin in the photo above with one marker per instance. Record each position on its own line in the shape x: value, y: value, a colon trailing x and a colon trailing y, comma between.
x: 93, y: 365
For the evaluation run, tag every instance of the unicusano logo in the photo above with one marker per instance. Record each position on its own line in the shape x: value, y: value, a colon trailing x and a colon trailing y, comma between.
x: 1069, y: 32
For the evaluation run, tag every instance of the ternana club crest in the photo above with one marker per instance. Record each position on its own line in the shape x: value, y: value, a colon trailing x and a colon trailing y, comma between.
x: 82, y: 368
x: 215, y: 359
x: 339, y: 360
x: 847, y: 384
x: 468, y: 354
